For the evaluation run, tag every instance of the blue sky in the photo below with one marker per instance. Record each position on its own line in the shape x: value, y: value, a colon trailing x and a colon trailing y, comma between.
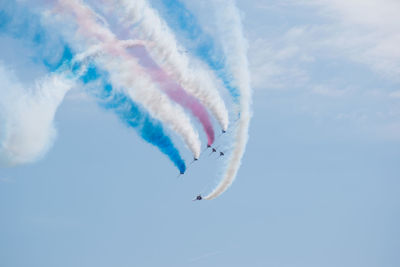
x: 319, y: 184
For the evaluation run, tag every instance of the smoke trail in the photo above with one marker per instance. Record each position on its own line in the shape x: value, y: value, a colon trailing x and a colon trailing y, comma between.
x: 202, y: 44
x: 17, y: 22
x: 130, y: 113
x: 140, y: 20
x: 118, y: 64
x: 235, y: 44
x: 26, y: 116
x: 175, y: 92
x: 171, y: 88
x: 133, y: 116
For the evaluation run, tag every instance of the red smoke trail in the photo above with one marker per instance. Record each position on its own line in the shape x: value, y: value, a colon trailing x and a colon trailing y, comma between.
x: 175, y: 91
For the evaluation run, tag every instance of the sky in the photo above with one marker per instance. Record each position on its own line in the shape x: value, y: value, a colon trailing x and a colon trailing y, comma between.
x: 319, y: 182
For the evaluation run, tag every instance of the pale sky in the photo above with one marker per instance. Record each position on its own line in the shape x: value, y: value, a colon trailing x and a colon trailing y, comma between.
x: 320, y: 180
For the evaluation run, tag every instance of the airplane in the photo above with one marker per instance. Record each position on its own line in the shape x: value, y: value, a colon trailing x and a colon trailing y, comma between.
x: 194, y: 159
x: 212, y: 151
x: 223, y: 131
x: 221, y: 154
x: 199, y: 197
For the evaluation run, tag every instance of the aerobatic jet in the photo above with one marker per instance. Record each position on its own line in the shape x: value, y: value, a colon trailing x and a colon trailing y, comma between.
x: 199, y: 197
x: 212, y: 151
x: 221, y: 154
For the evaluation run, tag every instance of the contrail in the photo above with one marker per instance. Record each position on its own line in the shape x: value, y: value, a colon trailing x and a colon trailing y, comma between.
x: 235, y: 44
x: 142, y: 21
x: 140, y: 87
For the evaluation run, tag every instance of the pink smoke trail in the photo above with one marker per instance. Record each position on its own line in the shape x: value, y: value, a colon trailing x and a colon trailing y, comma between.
x: 144, y: 90
x: 175, y: 91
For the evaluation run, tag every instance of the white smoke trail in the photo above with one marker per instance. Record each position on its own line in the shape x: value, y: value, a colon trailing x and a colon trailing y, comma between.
x: 235, y: 45
x: 125, y: 72
x: 26, y: 116
x: 96, y: 51
x: 196, y: 79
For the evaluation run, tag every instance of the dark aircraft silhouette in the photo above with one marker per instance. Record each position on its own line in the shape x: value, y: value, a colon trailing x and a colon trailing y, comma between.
x: 223, y: 131
x: 194, y: 159
x: 221, y: 154
x: 212, y: 151
x: 199, y: 197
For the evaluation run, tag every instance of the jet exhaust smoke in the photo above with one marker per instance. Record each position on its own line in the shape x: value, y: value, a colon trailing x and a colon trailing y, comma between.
x: 234, y: 44
x: 127, y: 55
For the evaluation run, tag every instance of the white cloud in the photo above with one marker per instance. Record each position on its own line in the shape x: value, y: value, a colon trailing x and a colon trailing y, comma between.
x: 360, y: 31
x: 367, y: 31
x: 338, y: 58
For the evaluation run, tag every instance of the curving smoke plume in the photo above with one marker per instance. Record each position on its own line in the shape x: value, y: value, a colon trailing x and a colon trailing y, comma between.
x: 120, y: 66
x: 139, y: 19
x: 201, y: 43
x: 234, y: 43
x: 26, y: 116
x: 129, y: 56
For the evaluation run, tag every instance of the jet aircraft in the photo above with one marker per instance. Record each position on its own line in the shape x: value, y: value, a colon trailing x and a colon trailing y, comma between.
x: 199, y: 197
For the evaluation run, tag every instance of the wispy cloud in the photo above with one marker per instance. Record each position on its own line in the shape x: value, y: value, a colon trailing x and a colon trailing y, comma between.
x: 366, y: 32
x: 340, y: 56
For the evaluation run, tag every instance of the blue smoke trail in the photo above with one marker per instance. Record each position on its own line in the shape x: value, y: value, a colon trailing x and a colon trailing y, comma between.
x: 133, y: 116
x: 182, y: 20
x: 16, y: 22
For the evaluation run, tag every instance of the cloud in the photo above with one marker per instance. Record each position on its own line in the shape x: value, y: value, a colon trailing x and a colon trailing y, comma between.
x: 338, y: 58
x: 277, y: 66
x: 367, y: 31
x: 360, y: 32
